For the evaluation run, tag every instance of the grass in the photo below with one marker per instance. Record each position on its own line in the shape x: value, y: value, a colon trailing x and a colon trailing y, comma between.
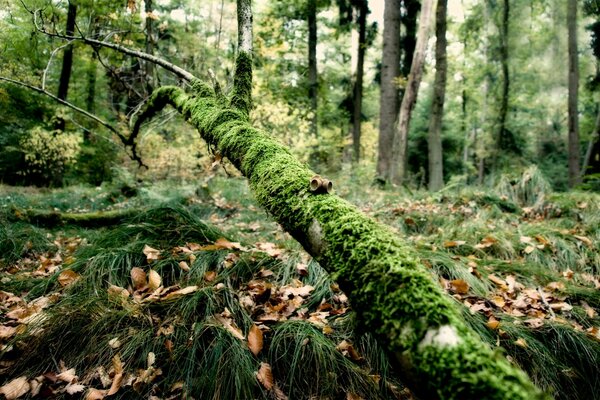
x: 463, y: 235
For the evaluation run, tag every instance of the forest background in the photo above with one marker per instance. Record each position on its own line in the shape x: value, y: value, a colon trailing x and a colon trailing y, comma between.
x: 466, y: 133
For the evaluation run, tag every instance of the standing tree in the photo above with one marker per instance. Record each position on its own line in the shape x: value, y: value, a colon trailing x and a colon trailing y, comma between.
x: 503, y: 137
x: 399, y: 159
x: 574, y: 157
x: 313, y: 82
x: 362, y: 8
x: 396, y: 61
x: 388, y: 100
x: 67, y: 64
x: 436, y: 165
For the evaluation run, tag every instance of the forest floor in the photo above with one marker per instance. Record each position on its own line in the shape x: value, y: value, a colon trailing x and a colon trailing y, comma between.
x: 171, y: 291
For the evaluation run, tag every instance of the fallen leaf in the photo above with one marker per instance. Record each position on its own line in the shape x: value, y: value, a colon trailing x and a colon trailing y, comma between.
x: 493, y: 323
x: 95, y: 394
x: 459, y: 286
x: 180, y: 292
x: 255, y: 339
x: 15, y: 388
x: 151, y: 254
x: 114, y: 343
x: 67, y: 376
x: 230, y: 326
x: 154, y: 280
x: 302, y: 269
x: 588, y: 310
x: 138, y: 278
x: 585, y: 240
x: 210, y: 276
x: 265, y: 376
x: 521, y: 342
x: 7, y: 331
x: 529, y: 249
x: 454, y: 243
x: 184, y: 266
x: 67, y: 277
x: 74, y: 388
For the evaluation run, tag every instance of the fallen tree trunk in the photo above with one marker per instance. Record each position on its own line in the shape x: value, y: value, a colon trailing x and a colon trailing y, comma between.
x: 95, y: 219
x: 393, y: 295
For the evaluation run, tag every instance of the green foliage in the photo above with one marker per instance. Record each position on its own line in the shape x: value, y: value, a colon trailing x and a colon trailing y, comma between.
x: 48, y: 154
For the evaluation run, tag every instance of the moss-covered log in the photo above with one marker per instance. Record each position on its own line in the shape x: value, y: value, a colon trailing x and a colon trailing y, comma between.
x: 393, y: 295
x: 94, y: 219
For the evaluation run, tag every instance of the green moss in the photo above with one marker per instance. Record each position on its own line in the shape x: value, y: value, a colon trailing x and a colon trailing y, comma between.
x: 394, y: 296
x: 241, y: 98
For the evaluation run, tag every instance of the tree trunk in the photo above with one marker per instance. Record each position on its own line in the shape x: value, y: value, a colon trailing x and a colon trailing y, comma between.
x: 149, y: 68
x: 408, y: 41
x: 436, y: 165
x: 388, y: 98
x: 313, y: 83
x: 67, y: 64
x: 590, y: 164
x: 399, y: 164
x: 574, y: 157
x: 502, y: 139
x: 392, y: 293
x: 363, y: 10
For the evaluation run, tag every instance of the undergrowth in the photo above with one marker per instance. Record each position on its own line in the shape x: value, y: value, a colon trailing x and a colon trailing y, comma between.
x: 524, y: 266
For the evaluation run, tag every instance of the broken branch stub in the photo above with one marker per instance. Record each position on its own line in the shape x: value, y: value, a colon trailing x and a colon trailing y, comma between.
x: 320, y: 185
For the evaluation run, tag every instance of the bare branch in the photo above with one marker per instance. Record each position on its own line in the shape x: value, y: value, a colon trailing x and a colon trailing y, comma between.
x: 126, y: 141
x: 56, y: 50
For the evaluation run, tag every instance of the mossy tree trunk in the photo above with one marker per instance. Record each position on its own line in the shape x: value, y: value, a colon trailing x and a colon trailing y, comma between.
x: 393, y: 295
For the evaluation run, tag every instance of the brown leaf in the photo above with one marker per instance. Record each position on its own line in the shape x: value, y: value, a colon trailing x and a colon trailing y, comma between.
x: 184, y: 266
x: 138, y: 278
x: 459, y: 286
x: 588, y: 310
x: 521, y: 342
x: 15, y: 388
x: 180, y: 292
x: 154, y: 280
x: 265, y: 376
x: 230, y: 325
x: 151, y: 253
x: 453, y: 243
x: 67, y: 376
x: 67, y: 277
x: 498, y: 281
x: 529, y: 249
x: 586, y: 240
x: 255, y: 339
x: 210, y: 276
x: 95, y: 394
x: 493, y: 323
x: 7, y: 331
x: 302, y: 269
x: 74, y: 388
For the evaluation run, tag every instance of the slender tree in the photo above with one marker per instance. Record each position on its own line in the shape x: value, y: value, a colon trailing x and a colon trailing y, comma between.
x: 436, y: 165
x: 149, y: 68
x: 503, y: 137
x: 67, y: 64
x: 399, y: 163
x: 313, y: 82
x: 362, y: 7
x: 574, y: 157
x: 388, y: 99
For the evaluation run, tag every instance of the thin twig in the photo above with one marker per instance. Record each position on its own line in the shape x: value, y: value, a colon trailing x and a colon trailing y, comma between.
x: 50, y: 61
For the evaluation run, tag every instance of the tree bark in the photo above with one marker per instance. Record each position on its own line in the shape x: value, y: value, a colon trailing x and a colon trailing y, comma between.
x: 590, y: 164
x: 149, y: 68
x: 388, y: 98
x: 573, y: 118
x: 399, y: 163
x: 313, y: 83
x: 436, y: 165
x: 501, y: 136
x: 363, y: 10
x: 67, y: 64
